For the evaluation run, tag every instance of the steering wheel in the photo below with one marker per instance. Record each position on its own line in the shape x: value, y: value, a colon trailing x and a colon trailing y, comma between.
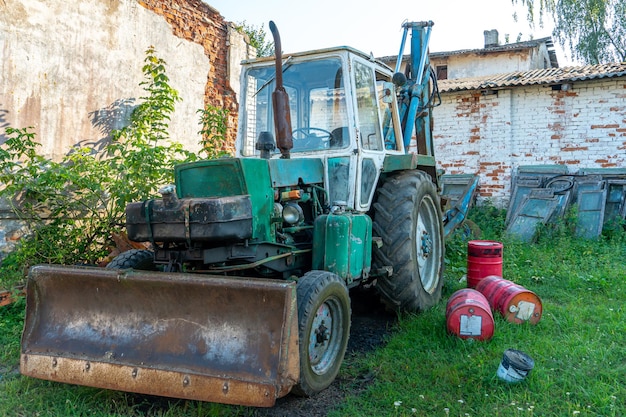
x: 309, y: 140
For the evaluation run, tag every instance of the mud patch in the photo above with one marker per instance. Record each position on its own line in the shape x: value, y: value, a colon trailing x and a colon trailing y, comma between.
x: 7, y: 373
x: 370, y: 329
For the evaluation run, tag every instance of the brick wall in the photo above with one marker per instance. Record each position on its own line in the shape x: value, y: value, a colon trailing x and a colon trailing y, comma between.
x: 198, y: 22
x: 492, y: 134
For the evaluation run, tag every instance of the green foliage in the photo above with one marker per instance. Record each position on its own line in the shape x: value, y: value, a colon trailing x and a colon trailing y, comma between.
x: 141, y: 155
x: 594, y: 30
x: 257, y: 36
x: 213, y: 122
x: 11, y: 324
x: 615, y: 231
x: 60, y: 202
x: 489, y: 220
x: 72, y: 207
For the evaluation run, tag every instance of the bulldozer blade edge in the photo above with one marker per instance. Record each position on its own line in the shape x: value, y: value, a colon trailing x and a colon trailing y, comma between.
x: 201, y: 337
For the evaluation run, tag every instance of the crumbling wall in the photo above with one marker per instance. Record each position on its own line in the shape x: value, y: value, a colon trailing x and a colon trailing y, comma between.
x: 492, y: 133
x: 71, y: 70
x: 225, y: 47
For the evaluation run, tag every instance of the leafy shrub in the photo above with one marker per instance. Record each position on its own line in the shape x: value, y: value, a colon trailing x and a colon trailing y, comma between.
x: 71, y: 208
x: 213, y: 131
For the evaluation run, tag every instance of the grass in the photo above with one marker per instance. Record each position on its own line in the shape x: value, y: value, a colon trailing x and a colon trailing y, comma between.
x: 579, y: 348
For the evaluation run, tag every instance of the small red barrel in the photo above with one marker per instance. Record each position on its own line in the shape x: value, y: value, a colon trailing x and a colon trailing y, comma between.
x: 468, y: 315
x: 484, y: 258
x: 514, y: 302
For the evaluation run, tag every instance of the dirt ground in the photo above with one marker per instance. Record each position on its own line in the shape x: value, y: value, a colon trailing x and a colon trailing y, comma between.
x: 371, y: 324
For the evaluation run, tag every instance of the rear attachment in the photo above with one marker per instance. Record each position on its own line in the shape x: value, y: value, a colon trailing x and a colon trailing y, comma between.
x: 200, y: 337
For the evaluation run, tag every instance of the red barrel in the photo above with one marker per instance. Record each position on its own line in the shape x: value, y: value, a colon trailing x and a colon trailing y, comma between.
x: 492, y: 286
x: 468, y: 315
x: 514, y: 302
x: 484, y: 258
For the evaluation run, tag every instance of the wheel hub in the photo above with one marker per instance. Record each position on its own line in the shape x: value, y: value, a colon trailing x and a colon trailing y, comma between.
x: 427, y: 244
x: 320, y: 337
x: 322, y: 334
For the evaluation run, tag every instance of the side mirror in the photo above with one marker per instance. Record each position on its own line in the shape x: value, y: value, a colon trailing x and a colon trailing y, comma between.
x: 399, y: 79
x: 388, y: 93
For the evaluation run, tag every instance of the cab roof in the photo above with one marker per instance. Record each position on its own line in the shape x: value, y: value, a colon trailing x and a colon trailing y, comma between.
x: 336, y: 49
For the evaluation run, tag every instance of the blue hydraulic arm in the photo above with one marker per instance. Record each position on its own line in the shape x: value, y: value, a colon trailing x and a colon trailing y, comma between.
x: 416, y: 96
x: 416, y: 99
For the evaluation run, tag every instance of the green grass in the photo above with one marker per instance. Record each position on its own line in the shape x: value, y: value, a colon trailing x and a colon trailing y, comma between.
x: 579, y: 349
x: 579, y: 345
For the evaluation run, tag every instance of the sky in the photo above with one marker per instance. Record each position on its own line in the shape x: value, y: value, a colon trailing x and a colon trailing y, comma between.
x: 375, y: 26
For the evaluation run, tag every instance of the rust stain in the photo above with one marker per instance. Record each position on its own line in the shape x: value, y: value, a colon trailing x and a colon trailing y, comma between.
x: 611, y: 126
x: 202, y: 337
x: 8, y: 297
x: 574, y: 148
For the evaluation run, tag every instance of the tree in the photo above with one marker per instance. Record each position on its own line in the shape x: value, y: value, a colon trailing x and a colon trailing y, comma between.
x: 257, y: 37
x: 593, y: 30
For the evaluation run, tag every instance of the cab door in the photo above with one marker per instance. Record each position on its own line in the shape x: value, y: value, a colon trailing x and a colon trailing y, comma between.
x: 376, y: 128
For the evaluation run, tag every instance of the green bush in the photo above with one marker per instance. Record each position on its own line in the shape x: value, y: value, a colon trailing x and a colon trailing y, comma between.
x: 72, y: 207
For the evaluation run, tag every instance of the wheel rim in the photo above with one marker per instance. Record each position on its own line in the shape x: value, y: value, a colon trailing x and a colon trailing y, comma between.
x: 427, y: 244
x: 325, y: 336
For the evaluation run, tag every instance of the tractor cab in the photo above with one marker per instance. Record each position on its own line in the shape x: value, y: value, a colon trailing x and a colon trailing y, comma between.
x: 343, y: 111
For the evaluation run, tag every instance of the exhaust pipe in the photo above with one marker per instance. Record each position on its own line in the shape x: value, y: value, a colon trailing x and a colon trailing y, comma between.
x: 280, y: 101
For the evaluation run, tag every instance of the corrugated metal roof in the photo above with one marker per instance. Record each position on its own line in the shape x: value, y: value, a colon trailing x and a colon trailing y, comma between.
x: 546, y: 76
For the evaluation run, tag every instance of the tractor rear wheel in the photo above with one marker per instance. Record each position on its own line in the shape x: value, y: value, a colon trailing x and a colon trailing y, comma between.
x: 408, y: 219
x: 135, y: 258
x: 323, y: 329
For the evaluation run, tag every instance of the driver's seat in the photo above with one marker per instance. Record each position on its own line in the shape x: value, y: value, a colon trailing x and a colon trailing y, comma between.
x: 339, y: 137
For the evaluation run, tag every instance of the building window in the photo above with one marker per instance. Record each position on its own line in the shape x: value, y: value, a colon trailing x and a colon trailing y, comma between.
x: 442, y: 72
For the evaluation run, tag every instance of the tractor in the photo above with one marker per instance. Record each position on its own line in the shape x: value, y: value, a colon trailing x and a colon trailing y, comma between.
x: 244, y: 294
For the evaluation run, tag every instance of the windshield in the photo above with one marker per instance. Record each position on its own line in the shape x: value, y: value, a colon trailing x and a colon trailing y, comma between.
x: 317, y: 105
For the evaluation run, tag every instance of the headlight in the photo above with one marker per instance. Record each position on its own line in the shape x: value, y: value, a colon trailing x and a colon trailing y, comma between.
x: 292, y: 213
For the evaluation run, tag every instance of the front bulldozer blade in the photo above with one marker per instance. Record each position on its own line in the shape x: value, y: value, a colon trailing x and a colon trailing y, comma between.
x: 209, y: 338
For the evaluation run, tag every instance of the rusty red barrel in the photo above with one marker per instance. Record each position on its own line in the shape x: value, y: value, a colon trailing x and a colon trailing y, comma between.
x: 484, y: 258
x: 514, y: 302
x: 469, y: 316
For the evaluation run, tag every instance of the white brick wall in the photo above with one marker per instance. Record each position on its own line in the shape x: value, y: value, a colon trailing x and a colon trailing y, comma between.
x: 491, y: 135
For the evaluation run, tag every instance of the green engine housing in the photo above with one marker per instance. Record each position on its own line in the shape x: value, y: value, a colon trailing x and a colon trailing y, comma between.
x: 230, y: 212
x: 226, y: 177
x: 342, y: 244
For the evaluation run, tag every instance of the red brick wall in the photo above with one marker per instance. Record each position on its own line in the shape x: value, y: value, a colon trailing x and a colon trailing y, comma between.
x: 492, y: 135
x: 197, y: 22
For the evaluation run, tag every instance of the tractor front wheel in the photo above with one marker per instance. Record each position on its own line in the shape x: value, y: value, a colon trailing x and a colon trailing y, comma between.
x: 323, y: 329
x: 135, y: 258
x: 408, y: 219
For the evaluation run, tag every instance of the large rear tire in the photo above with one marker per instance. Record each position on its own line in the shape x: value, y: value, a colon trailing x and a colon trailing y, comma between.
x: 135, y: 258
x: 408, y: 219
x: 323, y: 329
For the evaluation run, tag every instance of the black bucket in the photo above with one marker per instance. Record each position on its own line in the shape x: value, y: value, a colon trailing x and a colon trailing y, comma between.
x: 515, y: 366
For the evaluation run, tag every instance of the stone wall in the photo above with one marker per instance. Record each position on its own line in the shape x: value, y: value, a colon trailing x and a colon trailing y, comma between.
x: 491, y: 135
